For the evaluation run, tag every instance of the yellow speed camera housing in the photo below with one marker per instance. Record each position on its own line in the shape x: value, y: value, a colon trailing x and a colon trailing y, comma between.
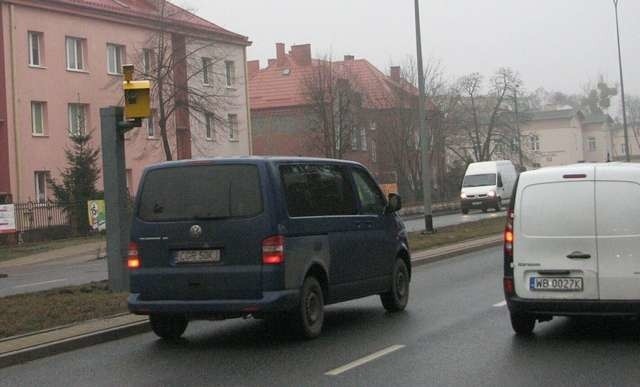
x: 137, y: 99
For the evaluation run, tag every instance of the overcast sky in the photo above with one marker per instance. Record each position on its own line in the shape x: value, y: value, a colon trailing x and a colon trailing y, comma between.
x: 556, y: 44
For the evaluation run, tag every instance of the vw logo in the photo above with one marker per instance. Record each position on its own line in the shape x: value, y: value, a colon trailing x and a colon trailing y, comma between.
x: 195, y: 231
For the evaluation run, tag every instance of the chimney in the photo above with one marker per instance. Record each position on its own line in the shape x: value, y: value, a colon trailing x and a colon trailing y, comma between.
x: 395, y: 73
x: 301, y: 54
x: 280, y: 54
x: 348, y: 58
x: 253, y: 66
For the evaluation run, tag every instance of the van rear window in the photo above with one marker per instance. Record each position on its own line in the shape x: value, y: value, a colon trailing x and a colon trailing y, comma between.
x: 200, y: 192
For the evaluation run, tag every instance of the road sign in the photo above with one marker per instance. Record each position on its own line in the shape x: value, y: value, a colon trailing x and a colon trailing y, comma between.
x: 7, y: 219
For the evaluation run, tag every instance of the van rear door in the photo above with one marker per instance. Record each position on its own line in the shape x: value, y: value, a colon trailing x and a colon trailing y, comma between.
x: 555, y: 254
x: 618, y: 230
x: 199, y: 229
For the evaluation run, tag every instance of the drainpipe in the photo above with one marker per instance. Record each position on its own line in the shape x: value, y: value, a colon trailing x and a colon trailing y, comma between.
x: 246, y: 100
x: 16, y: 132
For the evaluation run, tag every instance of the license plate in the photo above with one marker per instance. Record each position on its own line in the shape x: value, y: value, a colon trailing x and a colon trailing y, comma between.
x: 197, y: 256
x: 555, y: 284
x: 476, y: 203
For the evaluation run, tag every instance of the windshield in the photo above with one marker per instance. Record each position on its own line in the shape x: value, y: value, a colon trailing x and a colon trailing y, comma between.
x: 479, y: 180
x: 200, y: 192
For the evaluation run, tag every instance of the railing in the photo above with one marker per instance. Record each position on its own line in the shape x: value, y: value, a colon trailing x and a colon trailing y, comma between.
x: 37, y: 216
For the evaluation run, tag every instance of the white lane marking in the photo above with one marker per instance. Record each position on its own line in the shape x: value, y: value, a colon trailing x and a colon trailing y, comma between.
x: 39, y: 283
x: 363, y: 360
x: 500, y: 304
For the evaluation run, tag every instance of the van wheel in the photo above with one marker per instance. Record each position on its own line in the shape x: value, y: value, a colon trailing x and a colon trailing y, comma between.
x: 396, y: 300
x: 484, y: 210
x: 522, y: 324
x: 168, y: 327
x: 465, y: 211
x: 499, y: 205
x: 308, y: 316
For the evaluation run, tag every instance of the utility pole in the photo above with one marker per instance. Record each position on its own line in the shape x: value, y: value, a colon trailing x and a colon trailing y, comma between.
x: 424, y: 136
x: 624, y: 105
x: 515, y: 103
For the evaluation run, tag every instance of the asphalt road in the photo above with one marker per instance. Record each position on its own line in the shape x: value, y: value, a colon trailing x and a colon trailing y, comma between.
x: 85, y: 268
x: 454, y: 332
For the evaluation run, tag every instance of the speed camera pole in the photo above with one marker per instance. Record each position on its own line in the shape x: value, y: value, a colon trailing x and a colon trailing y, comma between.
x: 624, y: 106
x: 424, y: 136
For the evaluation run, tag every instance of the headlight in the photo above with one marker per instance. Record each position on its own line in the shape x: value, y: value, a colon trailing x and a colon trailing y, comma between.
x: 463, y: 196
x: 491, y: 194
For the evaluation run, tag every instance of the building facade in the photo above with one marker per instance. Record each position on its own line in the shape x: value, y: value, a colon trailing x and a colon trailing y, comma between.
x: 61, y: 62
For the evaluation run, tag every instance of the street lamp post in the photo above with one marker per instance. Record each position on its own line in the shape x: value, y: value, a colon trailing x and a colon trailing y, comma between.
x: 424, y: 137
x: 624, y: 105
x: 518, y: 134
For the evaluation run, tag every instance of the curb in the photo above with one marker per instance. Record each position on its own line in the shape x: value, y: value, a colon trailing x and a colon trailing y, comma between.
x: 134, y: 328
x: 74, y: 342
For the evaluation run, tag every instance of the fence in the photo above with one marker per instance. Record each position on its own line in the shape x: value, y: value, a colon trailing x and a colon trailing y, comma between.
x: 49, y: 220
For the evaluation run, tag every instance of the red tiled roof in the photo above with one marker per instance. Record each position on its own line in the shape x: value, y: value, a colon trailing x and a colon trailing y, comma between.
x: 273, y: 87
x: 148, y: 8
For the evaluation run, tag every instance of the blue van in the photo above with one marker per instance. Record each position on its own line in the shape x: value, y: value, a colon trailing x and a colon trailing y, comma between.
x: 268, y: 237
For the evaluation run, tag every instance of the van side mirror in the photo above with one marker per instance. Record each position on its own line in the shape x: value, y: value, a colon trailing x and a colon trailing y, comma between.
x: 500, y: 185
x: 394, y: 205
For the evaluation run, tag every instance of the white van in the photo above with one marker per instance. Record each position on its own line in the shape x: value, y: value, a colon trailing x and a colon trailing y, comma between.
x: 487, y: 184
x: 572, y: 243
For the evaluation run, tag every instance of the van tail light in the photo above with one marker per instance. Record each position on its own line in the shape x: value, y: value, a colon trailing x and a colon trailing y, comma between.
x: 133, y: 256
x: 508, y: 236
x: 273, y: 250
x: 507, y: 284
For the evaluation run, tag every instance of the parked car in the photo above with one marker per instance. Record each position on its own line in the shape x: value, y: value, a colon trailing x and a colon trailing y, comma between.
x: 487, y: 184
x: 571, y: 243
x: 274, y: 238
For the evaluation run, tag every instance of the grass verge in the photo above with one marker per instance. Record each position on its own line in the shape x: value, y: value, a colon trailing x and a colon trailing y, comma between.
x: 12, y: 252
x: 457, y: 233
x: 24, y: 313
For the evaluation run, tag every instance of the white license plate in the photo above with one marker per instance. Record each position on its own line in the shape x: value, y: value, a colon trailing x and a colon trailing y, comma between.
x: 197, y: 256
x: 476, y: 203
x: 555, y: 284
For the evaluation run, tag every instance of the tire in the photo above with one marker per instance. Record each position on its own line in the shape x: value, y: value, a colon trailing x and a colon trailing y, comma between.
x: 499, y: 205
x: 308, y: 316
x: 522, y: 324
x: 396, y: 300
x: 484, y: 210
x: 465, y: 211
x: 168, y: 327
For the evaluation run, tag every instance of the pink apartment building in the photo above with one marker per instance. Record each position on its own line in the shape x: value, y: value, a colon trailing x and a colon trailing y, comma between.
x: 60, y: 63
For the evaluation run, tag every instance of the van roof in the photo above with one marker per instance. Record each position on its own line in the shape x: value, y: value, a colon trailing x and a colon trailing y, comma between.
x: 589, y: 169
x: 254, y: 160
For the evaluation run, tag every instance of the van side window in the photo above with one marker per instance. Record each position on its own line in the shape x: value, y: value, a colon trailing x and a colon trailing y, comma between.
x: 317, y: 190
x: 371, y: 200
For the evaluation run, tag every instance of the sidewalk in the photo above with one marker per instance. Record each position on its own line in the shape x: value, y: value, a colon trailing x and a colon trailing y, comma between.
x: 20, y: 349
x: 83, y: 250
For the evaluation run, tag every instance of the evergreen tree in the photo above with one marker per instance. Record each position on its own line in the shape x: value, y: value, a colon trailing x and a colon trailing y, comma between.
x: 78, y: 181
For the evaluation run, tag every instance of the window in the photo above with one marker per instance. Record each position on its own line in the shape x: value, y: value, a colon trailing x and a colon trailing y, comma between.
x: 233, y: 127
x: 230, y: 72
x: 354, y: 140
x: 317, y: 190
x: 623, y: 149
x: 371, y: 200
x: 592, y: 144
x: 151, y: 124
x: 35, y: 48
x: 373, y: 126
x: 209, y: 121
x: 75, y: 54
x: 37, y: 118
x: 374, y: 151
x: 534, y: 143
x: 77, y: 119
x: 115, y: 56
x: 363, y: 139
x: 40, y: 180
x: 206, y: 68
x: 204, y: 191
x: 147, y: 55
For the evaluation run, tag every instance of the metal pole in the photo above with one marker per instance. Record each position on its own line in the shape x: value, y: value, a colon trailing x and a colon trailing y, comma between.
x: 424, y: 137
x: 515, y: 97
x: 624, y: 105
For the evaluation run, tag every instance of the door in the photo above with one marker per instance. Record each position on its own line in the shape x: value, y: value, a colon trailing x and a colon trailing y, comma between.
x: 377, y: 238
x: 555, y: 254
x: 618, y: 230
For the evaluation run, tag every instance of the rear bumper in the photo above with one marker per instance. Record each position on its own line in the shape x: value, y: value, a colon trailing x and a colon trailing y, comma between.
x: 484, y: 202
x: 270, y: 302
x: 574, y: 307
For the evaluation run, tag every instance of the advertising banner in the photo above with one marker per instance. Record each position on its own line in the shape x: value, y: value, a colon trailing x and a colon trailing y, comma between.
x: 7, y: 219
x: 97, y: 215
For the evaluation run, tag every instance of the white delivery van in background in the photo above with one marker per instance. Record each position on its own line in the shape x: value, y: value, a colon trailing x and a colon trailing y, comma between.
x: 572, y: 243
x: 487, y: 184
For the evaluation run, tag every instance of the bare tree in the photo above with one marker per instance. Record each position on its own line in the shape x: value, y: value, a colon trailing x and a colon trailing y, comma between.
x: 633, y: 116
x: 335, y: 107
x: 188, y: 76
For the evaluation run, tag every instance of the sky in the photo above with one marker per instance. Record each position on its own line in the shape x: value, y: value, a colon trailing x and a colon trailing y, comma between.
x: 555, y: 44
